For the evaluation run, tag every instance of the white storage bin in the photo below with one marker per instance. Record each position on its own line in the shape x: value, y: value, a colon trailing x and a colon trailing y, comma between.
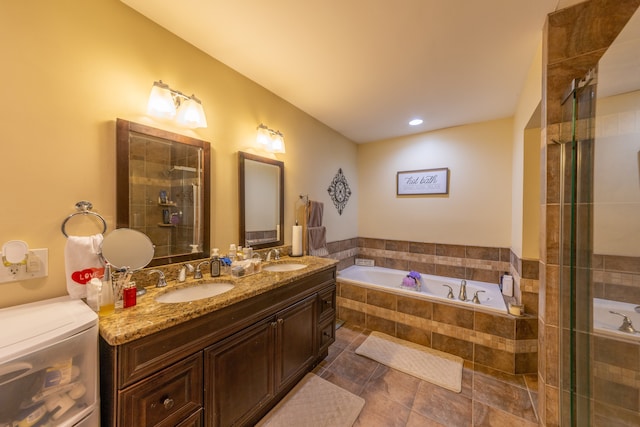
x: 49, y: 363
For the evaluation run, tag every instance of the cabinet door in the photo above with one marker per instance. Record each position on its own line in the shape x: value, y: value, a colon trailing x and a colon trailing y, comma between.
x: 239, y: 375
x: 296, y: 346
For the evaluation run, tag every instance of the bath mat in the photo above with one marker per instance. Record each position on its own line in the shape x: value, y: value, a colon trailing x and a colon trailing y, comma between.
x: 315, y: 402
x: 436, y: 367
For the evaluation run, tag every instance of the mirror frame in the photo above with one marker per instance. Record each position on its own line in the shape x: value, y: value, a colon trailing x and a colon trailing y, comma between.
x: 242, y: 156
x: 123, y: 128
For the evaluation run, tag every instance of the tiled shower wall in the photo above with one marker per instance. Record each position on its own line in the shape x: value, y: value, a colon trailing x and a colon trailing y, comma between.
x: 574, y: 40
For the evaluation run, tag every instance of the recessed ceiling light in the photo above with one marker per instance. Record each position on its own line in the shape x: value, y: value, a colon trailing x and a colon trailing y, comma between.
x: 416, y: 122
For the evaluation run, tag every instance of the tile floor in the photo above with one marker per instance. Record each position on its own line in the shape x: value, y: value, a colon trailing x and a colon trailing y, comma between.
x: 488, y: 397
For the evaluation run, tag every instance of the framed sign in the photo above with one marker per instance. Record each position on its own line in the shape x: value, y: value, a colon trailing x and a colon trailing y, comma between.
x: 425, y: 181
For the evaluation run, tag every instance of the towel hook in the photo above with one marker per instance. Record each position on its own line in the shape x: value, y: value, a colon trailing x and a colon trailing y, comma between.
x: 84, y: 208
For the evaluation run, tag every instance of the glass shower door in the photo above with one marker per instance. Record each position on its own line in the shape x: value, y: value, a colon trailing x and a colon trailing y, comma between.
x: 600, y: 250
x: 576, y: 196
x: 615, y: 354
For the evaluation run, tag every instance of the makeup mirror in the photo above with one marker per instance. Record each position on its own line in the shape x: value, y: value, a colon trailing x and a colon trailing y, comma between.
x: 124, y: 247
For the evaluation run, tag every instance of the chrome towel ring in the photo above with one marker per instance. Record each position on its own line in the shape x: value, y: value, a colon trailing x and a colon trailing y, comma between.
x: 83, y: 208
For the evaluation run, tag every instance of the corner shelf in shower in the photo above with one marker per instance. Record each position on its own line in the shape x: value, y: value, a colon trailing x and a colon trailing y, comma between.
x: 165, y: 225
x: 169, y: 204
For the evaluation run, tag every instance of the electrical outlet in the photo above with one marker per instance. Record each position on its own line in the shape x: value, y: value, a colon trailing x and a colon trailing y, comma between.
x: 37, y: 266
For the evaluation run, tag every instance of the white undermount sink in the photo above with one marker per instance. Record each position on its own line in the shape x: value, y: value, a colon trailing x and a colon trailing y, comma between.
x: 284, y: 267
x: 194, y: 293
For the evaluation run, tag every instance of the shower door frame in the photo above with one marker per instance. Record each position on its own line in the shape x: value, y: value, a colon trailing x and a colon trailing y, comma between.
x: 576, y: 250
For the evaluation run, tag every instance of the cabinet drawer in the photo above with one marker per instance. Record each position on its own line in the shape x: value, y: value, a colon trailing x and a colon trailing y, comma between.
x: 327, y: 332
x: 166, y: 398
x: 194, y: 420
x: 327, y: 302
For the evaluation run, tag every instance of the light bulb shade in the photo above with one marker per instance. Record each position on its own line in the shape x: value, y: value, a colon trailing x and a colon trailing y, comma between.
x: 263, y: 138
x: 277, y: 143
x: 191, y: 114
x: 161, y: 103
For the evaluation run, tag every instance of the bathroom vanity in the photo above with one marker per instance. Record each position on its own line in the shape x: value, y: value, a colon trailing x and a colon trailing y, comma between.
x: 218, y: 361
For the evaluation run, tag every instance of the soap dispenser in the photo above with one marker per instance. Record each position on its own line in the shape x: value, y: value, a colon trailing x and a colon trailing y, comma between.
x: 214, y: 263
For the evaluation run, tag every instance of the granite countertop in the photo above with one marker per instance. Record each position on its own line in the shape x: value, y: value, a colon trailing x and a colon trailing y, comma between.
x: 149, y: 316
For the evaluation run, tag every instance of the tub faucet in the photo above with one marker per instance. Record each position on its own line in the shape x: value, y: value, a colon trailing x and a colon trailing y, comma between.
x: 462, y: 296
x: 450, y: 293
x: 161, y: 280
x: 475, y: 299
x: 626, y: 326
x: 198, y: 272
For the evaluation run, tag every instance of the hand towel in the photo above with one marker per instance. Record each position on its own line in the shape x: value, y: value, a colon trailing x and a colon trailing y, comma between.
x: 82, y: 263
x: 317, y: 241
x: 314, y: 216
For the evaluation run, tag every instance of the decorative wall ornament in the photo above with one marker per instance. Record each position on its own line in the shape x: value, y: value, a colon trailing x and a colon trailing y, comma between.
x: 339, y: 191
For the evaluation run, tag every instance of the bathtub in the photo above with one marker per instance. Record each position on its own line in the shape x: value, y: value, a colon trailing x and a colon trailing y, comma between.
x: 607, y: 323
x: 432, y: 287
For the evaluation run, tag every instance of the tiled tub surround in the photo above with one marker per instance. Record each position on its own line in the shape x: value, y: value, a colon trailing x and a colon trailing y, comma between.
x: 499, y: 341
x: 503, y: 342
x: 616, y: 278
x: 432, y: 288
x: 484, y: 264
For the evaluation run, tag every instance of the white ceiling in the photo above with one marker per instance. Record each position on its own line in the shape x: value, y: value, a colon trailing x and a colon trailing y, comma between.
x: 366, y: 67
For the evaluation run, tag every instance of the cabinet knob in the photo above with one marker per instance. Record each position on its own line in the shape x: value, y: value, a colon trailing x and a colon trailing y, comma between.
x: 280, y: 321
x: 327, y: 302
x: 168, y: 403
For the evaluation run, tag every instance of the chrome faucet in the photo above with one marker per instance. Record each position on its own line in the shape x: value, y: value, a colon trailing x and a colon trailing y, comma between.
x: 182, y: 275
x: 475, y: 299
x: 627, y: 325
x: 198, y: 272
x: 450, y: 293
x: 462, y: 296
x: 161, y: 280
x: 276, y: 255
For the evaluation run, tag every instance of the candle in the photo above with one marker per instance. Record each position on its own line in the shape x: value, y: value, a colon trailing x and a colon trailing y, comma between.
x: 516, y: 309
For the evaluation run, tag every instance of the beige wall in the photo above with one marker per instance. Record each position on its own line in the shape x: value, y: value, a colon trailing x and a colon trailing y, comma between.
x: 70, y: 68
x: 477, y: 210
x: 530, y: 229
x: 526, y: 164
x: 616, y: 223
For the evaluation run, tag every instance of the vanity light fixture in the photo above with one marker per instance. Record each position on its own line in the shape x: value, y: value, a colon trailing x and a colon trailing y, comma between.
x: 270, y: 140
x: 167, y: 103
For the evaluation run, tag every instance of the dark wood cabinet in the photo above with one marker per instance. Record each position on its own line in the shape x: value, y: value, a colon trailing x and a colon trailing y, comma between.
x: 246, y: 371
x: 229, y: 367
x: 296, y: 344
x: 240, y: 376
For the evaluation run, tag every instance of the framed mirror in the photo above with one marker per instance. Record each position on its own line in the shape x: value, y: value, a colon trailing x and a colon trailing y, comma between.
x: 261, y: 188
x: 163, y: 190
